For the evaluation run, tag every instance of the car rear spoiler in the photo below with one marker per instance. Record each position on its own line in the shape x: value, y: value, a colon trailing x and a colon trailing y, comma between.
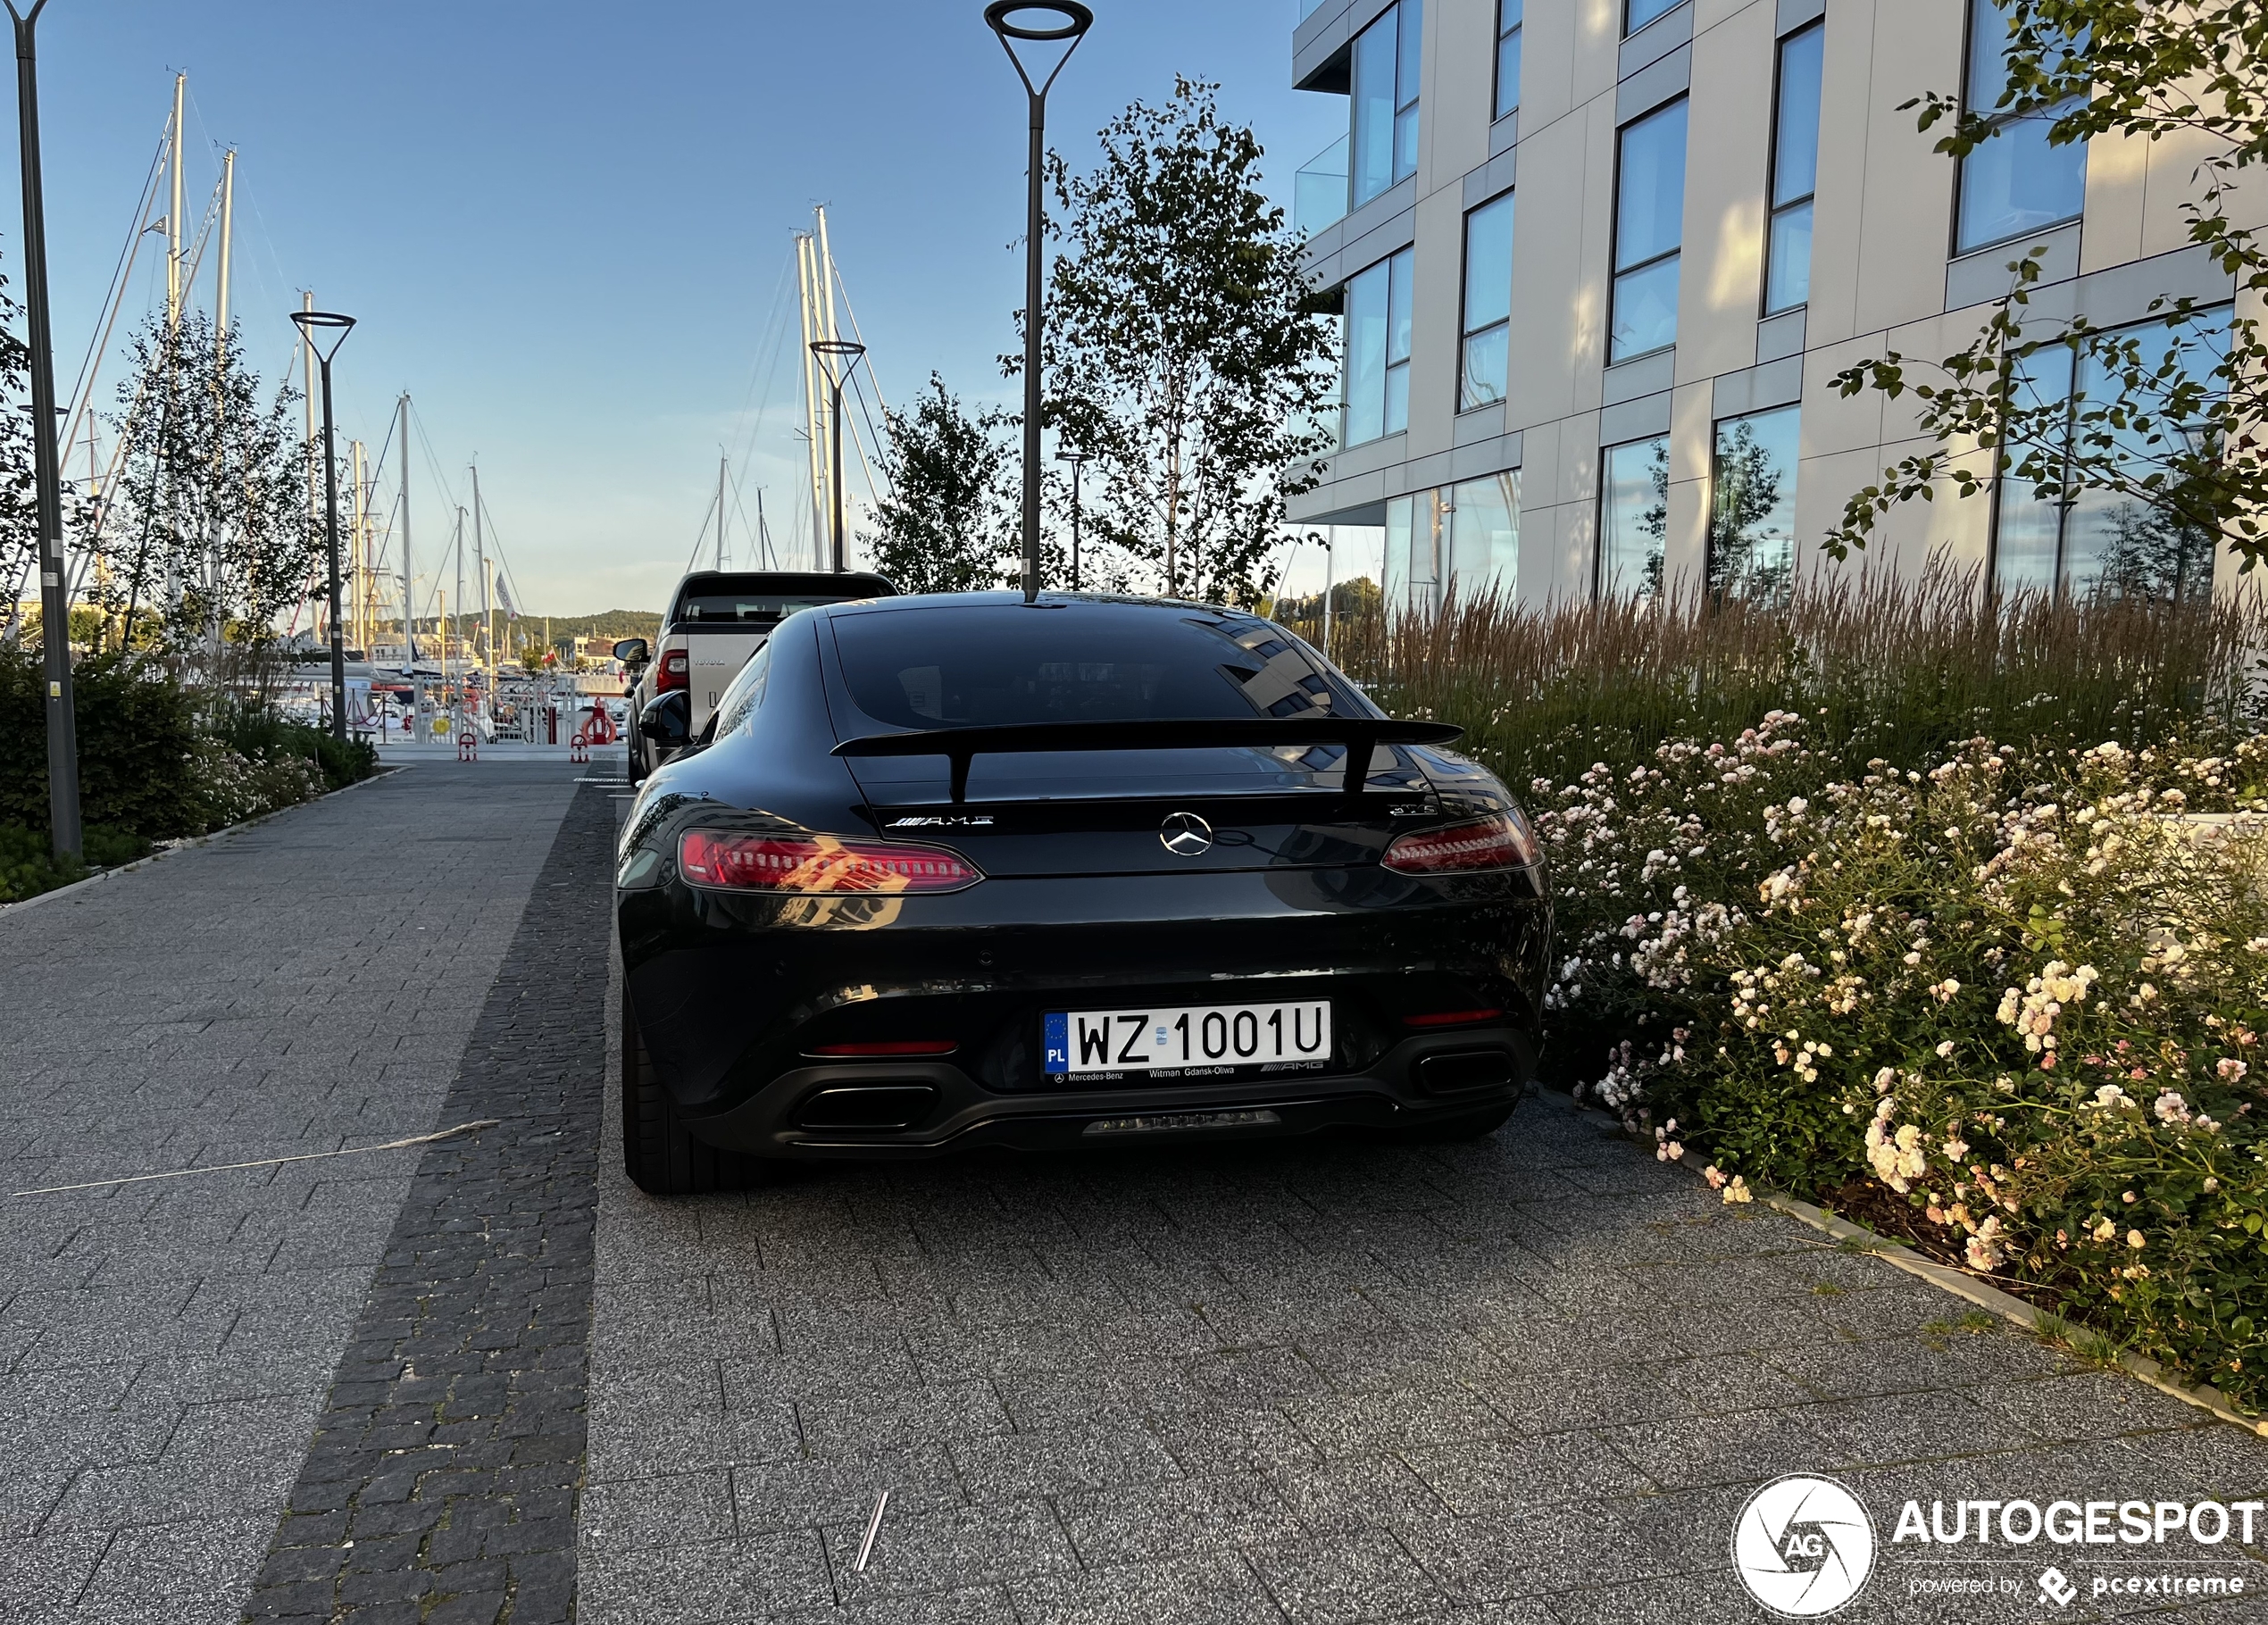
x: 1360, y: 735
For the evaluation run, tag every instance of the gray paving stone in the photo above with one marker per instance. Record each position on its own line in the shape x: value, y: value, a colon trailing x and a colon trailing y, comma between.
x: 1474, y: 1479
x: 1345, y: 1578
x: 1155, y: 1520
x: 676, y: 1508
x: 951, y: 1549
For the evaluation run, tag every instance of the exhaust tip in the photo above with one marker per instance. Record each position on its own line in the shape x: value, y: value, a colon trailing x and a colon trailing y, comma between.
x: 878, y: 1108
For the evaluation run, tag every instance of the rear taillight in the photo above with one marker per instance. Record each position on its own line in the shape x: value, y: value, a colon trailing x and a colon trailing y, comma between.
x: 1501, y: 841
x: 1451, y: 1017
x: 819, y: 863
x: 898, y: 1047
x: 676, y: 672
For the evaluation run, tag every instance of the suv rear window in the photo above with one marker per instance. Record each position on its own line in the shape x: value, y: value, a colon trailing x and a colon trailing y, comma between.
x: 746, y: 606
x: 1001, y: 666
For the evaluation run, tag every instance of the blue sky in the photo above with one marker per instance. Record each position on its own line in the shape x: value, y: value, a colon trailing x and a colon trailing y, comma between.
x: 563, y: 226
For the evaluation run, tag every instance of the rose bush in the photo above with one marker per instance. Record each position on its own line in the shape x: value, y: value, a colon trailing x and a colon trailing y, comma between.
x: 2015, y: 1002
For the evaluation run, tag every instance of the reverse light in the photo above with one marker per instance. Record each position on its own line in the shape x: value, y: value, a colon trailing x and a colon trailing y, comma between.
x: 1451, y: 1017
x: 911, y: 1047
x: 676, y: 672
x: 805, y: 864
x: 1501, y: 841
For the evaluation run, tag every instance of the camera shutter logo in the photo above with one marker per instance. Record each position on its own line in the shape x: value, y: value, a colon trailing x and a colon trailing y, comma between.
x: 1804, y: 1546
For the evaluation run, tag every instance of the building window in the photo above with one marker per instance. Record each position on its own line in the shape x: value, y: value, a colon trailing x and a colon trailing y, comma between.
x: 1509, y: 16
x: 2096, y: 541
x: 1633, y: 517
x: 1637, y: 13
x: 1378, y: 350
x: 1487, y: 304
x: 1752, y: 514
x: 1385, y: 135
x: 1460, y: 544
x: 2014, y: 182
x: 1794, y: 169
x: 1649, y: 225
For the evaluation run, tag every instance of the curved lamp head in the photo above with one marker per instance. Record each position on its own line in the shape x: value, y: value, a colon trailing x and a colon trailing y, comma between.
x: 1069, y: 26
x: 311, y: 322
x: 840, y: 351
x: 1076, y: 459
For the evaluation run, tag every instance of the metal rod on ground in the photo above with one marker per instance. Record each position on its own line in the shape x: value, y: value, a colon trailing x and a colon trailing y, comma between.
x: 54, y: 600
x: 1076, y: 20
x: 309, y: 323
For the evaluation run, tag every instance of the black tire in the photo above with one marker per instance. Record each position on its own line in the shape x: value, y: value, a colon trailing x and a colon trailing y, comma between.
x: 661, y: 1159
x: 1456, y: 1130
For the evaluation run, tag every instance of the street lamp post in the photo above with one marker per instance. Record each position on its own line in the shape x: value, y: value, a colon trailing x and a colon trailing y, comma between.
x: 54, y: 592
x: 309, y: 323
x: 829, y: 350
x: 1078, y: 461
x: 1073, y: 21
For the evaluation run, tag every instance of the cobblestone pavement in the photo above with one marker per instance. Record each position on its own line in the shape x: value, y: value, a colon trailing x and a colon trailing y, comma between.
x: 1526, y: 1382
x: 441, y: 1480
x: 299, y: 985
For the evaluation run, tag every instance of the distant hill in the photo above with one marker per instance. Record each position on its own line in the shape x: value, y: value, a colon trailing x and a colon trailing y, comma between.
x: 610, y: 623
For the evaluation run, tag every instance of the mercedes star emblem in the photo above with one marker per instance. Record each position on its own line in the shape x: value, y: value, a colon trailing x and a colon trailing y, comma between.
x: 1185, y: 835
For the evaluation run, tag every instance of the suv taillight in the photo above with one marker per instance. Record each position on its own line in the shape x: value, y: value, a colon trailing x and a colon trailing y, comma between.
x: 676, y: 672
x: 805, y: 864
x: 1500, y: 841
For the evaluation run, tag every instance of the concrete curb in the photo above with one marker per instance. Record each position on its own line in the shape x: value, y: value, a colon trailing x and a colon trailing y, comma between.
x: 194, y: 841
x: 1962, y: 1284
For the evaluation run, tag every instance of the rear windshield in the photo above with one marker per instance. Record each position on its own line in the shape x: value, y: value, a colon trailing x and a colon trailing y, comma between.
x: 1000, y: 667
x: 765, y: 607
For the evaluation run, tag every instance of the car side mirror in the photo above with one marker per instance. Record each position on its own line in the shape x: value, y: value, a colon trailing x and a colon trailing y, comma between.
x: 633, y: 652
x: 668, y: 722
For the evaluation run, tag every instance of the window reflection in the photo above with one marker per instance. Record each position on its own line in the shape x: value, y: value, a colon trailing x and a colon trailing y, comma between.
x: 1752, y: 510
x: 1649, y: 225
x: 1633, y: 517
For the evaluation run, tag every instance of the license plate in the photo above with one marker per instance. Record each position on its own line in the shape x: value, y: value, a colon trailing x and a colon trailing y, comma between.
x: 1208, y: 1041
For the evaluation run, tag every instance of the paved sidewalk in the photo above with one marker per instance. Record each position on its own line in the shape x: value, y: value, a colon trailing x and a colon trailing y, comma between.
x: 299, y: 985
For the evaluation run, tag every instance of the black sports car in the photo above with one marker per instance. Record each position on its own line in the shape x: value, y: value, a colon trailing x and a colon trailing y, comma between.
x: 963, y: 870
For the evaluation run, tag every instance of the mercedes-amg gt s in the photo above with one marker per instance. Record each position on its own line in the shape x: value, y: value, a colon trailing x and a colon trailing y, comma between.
x: 965, y: 870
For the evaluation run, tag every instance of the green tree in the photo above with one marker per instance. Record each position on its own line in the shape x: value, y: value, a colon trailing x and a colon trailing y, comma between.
x: 19, y: 490
x: 951, y: 523
x: 1185, y: 355
x: 2166, y: 415
x: 207, y: 534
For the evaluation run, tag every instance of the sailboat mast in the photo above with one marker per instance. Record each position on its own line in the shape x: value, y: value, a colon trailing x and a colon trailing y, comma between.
x: 227, y: 246
x: 359, y: 581
x: 307, y: 401
x: 409, y: 586
x: 173, y: 216
x: 764, y: 534
x: 721, y: 464
x: 807, y: 259
x: 460, y: 579
x: 487, y: 607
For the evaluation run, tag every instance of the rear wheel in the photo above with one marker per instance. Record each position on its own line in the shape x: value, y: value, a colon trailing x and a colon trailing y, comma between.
x: 1453, y: 1130
x: 661, y: 1159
